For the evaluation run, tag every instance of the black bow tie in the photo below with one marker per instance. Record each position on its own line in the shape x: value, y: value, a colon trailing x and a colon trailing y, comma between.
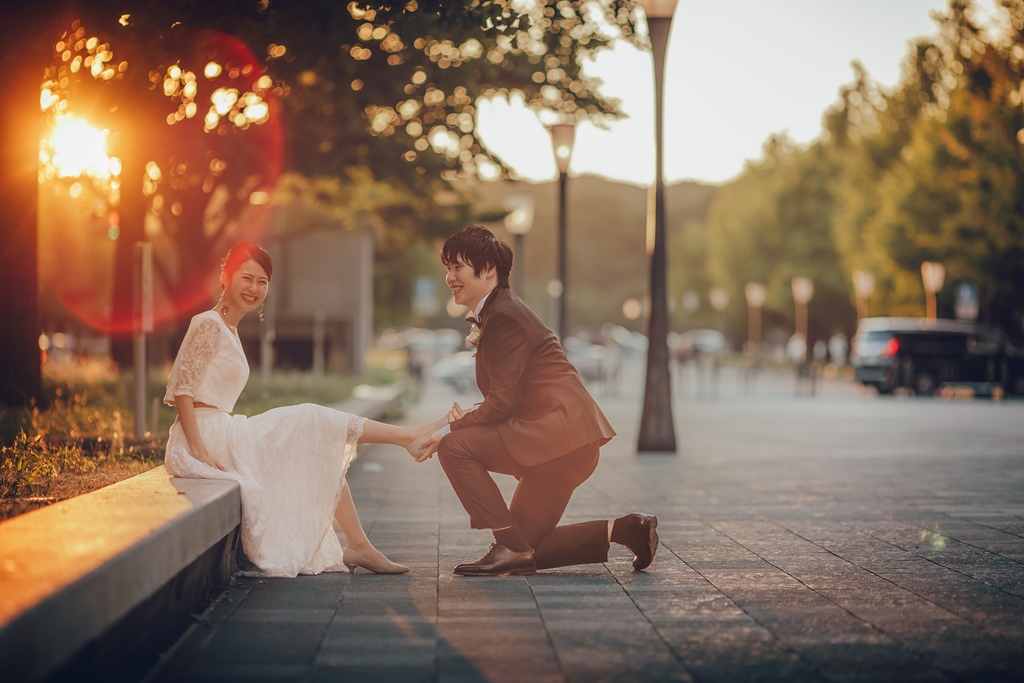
x: 474, y: 321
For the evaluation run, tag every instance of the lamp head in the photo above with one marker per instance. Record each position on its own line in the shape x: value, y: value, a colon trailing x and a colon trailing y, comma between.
x: 563, y: 136
x: 519, y: 218
x: 755, y: 294
x: 863, y: 283
x: 933, y: 274
x: 659, y: 9
x: 803, y: 289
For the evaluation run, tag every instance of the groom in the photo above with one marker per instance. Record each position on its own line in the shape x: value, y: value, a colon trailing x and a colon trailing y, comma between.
x: 537, y: 423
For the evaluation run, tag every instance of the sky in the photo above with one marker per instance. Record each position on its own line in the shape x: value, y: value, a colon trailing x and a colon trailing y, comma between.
x: 736, y: 73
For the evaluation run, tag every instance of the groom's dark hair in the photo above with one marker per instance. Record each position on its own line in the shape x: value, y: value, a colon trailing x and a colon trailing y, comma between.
x: 478, y: 247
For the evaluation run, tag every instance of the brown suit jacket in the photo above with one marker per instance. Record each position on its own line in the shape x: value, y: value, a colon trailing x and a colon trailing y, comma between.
x: 532, y: 393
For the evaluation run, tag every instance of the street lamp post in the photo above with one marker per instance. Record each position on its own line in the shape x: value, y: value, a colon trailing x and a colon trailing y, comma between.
x: 518, y: 222
x: 803, y: 290
x: 563, y: 136
x: 657, y: 431
x: 719, y: 299
x: 755, y: 293
x: 863, y: 288
x: 932, y: 275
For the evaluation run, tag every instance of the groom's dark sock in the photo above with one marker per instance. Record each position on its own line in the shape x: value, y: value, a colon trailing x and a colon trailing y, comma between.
x: 512, y: 539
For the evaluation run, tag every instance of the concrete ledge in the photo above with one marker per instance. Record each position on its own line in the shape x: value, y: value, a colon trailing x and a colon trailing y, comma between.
x: 69, y: 572
x: 95, y: 585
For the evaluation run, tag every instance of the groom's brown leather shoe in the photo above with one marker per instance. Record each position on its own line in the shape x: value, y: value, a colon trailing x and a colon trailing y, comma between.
x: 643, y: 543
x: 500, y: 561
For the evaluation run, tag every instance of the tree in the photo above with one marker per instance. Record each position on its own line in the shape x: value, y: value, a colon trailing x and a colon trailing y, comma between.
x: 20, y: 380
x: 774, y: 224
x: 927, y: 170
x: 379, y: 95
x: 938, y: 177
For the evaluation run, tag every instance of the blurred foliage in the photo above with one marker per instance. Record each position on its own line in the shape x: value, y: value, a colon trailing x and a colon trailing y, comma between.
x: 372, y: 109
x: 293, y: 387
x: 77, y: 436
x: 929, y: 170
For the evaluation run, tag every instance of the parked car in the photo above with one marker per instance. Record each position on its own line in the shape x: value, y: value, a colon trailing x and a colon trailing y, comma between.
x: 922, y: 354
x: 588, y: 359
x: 458, y: 371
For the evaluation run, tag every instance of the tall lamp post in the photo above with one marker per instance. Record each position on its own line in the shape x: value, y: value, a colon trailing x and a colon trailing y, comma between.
x: 932, y: 275
x: 719, y: 298
x: 657, y: 431
x: 863, y: 288
x: 803, y: 290
x: 518, y: 222
x: 755, y: 293
x: 563, y: 135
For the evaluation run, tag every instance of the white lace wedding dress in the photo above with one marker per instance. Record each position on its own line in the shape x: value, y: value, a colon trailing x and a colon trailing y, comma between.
x: 289, y: 462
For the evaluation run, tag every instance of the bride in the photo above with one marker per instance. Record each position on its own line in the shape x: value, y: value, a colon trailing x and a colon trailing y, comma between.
x: 290, y: 462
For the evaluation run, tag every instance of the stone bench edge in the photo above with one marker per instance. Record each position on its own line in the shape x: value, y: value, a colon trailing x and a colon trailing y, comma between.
x: 63, y: 584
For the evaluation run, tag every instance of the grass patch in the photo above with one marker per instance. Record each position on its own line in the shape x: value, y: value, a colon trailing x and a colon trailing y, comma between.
x: 81, y: 437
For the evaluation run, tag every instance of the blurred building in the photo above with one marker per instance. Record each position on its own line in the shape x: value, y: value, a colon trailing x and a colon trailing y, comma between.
x: 319, y: 312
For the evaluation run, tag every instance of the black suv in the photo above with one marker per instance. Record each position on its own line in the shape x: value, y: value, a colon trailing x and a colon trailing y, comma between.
x: 922, y: 355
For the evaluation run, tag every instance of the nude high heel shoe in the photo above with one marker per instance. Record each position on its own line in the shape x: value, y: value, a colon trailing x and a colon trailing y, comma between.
x: 353, y: 558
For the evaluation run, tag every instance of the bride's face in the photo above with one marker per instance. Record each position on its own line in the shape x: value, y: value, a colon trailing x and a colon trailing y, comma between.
x: 247, y: 287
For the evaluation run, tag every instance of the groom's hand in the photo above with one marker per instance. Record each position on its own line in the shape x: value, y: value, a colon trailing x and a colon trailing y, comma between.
x: 455, y: 413
x: 425, y: 448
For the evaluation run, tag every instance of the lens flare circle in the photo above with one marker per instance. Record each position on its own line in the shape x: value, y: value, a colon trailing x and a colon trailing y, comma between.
x: 83, y: 238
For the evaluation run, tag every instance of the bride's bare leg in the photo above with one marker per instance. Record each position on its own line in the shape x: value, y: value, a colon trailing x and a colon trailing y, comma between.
x: 348, y: 520
x: 379, y: 432
x: 360, y: 552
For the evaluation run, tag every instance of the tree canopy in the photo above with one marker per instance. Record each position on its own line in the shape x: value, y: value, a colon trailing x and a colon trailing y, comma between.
x: 929, y: 170
x: 367, y: 110
x: 217, y: 110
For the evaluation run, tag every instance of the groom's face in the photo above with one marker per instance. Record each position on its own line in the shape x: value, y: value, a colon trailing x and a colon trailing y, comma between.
x: 467, y: 287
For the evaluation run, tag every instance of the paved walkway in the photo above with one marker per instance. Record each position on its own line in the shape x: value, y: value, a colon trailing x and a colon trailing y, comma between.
x: 840, y: 537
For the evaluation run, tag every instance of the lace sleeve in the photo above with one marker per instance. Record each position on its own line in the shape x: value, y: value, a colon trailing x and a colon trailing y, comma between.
x: 193, y: 358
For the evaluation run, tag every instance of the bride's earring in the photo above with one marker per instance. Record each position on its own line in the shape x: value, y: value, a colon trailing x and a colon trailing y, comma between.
x: 262, y: 313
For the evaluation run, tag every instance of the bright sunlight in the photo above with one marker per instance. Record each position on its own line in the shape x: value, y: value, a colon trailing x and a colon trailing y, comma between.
x: 76, y: 148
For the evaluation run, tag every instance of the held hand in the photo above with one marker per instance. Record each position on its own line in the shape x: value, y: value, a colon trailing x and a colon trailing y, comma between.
x: 425, y: 448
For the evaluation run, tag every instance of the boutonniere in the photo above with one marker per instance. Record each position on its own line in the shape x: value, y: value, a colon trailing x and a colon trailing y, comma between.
x: 473, y: 338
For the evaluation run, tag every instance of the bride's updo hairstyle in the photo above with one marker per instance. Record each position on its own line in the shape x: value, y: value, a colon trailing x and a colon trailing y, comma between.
x: 239, y: 254
x: 478, y: 247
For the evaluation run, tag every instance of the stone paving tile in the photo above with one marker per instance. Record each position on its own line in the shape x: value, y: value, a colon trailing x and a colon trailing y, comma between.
x: 263, y: 643
x: 283, y: 616
x: 242, y: 672
x: 837, y: 538
x: 732, y: 650
x: 397, y: 672
x: 479, y: 670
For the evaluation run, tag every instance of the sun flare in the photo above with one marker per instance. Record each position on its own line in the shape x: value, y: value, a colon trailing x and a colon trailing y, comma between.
x: 77, y: 148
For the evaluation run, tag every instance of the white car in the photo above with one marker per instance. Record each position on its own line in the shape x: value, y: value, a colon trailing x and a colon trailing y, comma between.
x: 458, y: 370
